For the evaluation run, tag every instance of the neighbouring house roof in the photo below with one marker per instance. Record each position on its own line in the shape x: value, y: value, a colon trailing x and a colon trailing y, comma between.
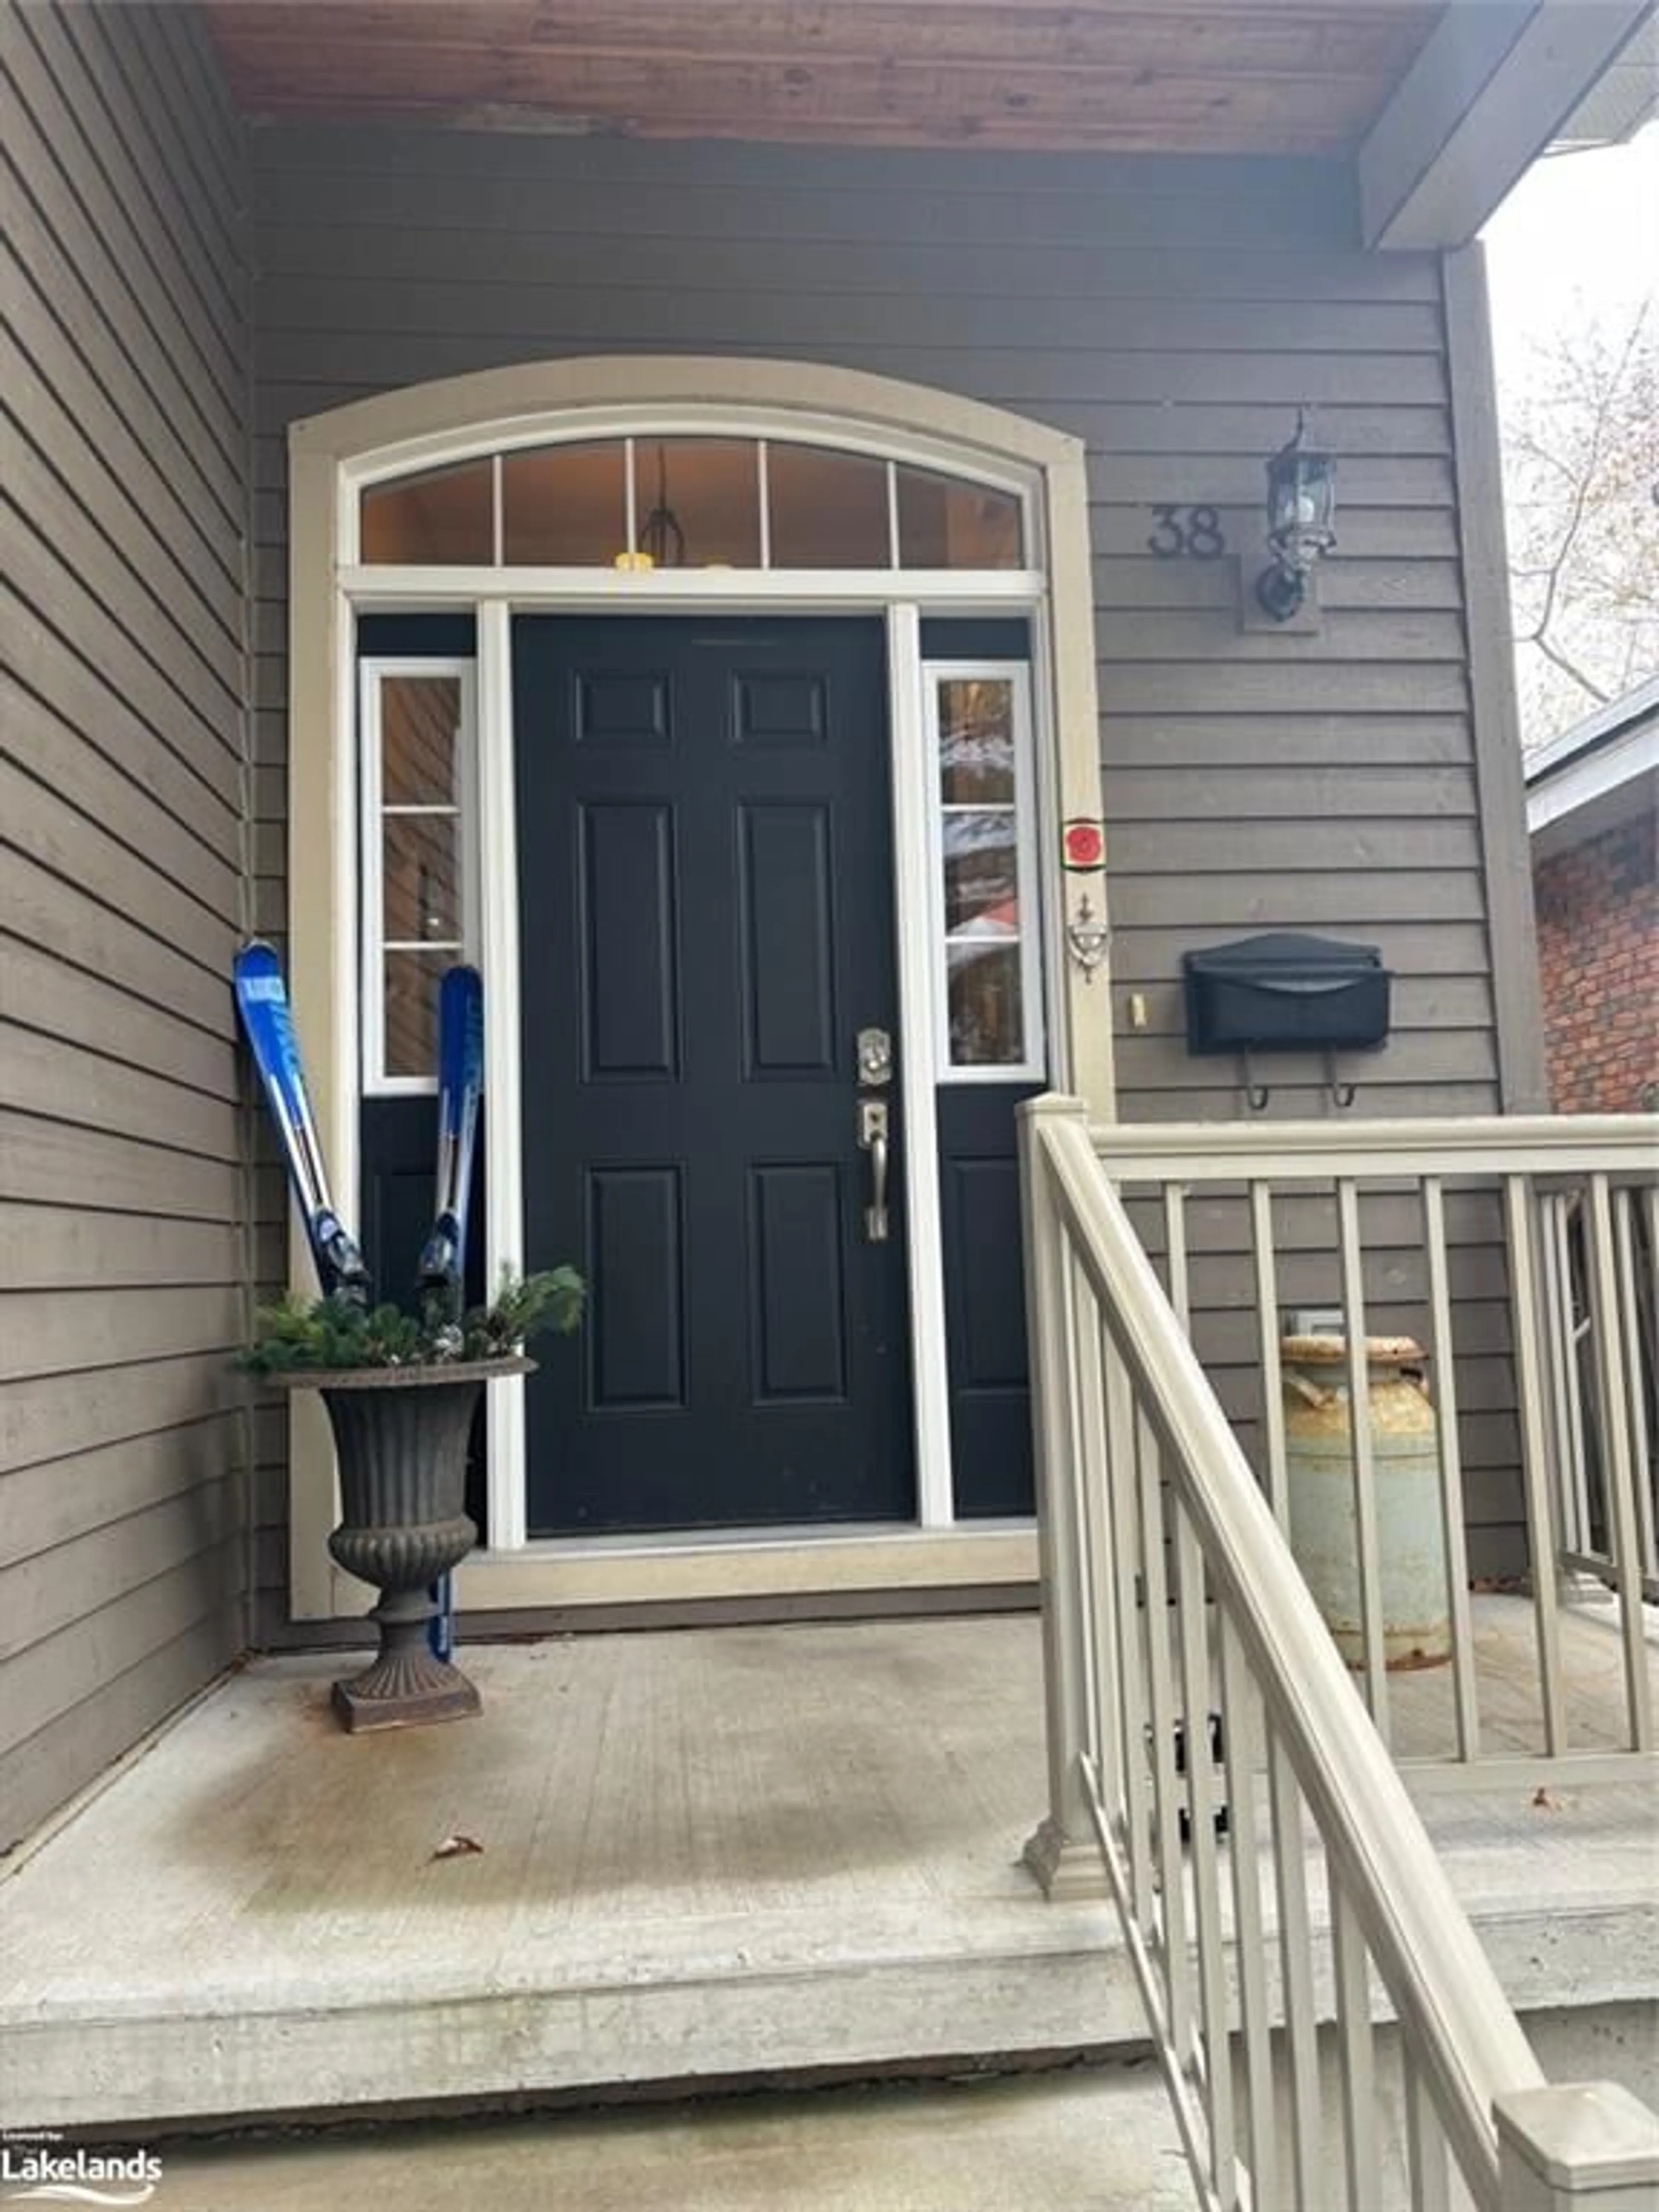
x: 1439, y: 106
x: 1602, y: 771
x: 1620, y: 101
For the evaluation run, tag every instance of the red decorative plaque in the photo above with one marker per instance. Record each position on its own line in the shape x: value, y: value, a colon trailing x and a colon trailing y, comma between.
x: 1083, y: 847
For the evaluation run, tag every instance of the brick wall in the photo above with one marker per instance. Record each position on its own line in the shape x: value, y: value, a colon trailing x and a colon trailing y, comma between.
x: 1598, y: 941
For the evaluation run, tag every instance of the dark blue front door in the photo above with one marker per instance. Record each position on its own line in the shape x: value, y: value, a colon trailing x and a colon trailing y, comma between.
x: 706, y: 918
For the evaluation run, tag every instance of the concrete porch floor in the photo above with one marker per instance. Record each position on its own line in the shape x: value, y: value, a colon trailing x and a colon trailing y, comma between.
x: 709, y: 1856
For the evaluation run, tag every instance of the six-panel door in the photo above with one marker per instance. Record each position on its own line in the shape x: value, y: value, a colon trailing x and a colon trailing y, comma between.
x: 706, y: 919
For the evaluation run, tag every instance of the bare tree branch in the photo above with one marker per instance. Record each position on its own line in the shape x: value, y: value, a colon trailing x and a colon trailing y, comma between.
x: 1553, y: 653
x: 1581, y: 464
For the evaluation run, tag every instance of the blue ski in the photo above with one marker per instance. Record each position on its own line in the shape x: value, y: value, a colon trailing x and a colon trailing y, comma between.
x: 262, y: 1002
x: 440, y: 1284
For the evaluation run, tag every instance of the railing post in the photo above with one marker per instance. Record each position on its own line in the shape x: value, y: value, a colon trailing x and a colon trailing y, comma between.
x: 1062, y: 1853
x: 1585, y: 2147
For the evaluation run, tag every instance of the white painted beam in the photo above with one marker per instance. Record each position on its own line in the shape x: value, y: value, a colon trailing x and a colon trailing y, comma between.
x: 1495, y: 83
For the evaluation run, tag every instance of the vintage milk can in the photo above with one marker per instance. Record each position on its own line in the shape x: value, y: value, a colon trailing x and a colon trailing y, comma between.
x: 1405, y: 1468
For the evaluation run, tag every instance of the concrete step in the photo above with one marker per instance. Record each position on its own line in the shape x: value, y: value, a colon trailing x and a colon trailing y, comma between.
x: 1095, y: 2139
x: 703, y: 1858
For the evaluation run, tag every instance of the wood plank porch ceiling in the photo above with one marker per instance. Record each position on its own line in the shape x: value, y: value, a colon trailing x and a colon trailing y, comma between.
x: 1176, y: 76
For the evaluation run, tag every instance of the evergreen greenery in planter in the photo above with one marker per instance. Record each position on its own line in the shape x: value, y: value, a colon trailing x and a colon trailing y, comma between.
x: 338, y: 1332
x: 402, y: 1390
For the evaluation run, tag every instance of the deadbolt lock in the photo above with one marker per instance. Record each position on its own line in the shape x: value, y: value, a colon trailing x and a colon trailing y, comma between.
x: 875, y: 1057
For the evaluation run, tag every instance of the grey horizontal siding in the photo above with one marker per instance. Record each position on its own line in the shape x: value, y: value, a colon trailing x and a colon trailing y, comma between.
x: 1172, y: 315
x: 84, y: 1497
x: 738, y: 196
x: 123, y: 1444
x: 45, y: 1422
x: 981, y: 265
x: 57, y: 1249
x: 1252, y: 781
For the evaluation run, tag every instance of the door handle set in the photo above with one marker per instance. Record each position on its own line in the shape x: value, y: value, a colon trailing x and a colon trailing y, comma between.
x: 875, y: 1059
x: 873, y: 1139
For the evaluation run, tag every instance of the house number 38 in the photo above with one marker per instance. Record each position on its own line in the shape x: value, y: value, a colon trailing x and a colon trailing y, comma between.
x: 1192, y: 532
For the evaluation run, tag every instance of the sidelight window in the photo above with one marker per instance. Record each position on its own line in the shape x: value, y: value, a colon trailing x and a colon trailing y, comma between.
x: 987, y: 959
x: 419, y: 876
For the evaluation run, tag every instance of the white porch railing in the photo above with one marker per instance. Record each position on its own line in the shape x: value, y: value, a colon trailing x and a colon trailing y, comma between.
x: 1306, y: 1970
x: 1601, y: 1274
x: 1520, y: 1253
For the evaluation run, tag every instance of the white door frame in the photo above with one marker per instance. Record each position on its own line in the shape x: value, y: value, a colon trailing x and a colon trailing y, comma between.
x: 332, y: 457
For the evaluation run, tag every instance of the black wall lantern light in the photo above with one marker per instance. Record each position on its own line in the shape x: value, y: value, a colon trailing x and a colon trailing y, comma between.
x: 1301, y: 511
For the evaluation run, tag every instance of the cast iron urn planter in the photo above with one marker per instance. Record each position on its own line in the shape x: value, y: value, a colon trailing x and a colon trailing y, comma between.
x: 400, y: 1434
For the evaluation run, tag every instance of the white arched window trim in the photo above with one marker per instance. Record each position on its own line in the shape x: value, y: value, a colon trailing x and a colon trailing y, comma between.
x: 333, y: 458
x: 596, y: 423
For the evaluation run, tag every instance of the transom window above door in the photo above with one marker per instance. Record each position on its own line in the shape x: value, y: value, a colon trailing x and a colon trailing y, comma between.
x: 690, y: 502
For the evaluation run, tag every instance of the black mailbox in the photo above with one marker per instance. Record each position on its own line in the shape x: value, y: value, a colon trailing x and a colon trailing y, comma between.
x: 1283, y: 993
